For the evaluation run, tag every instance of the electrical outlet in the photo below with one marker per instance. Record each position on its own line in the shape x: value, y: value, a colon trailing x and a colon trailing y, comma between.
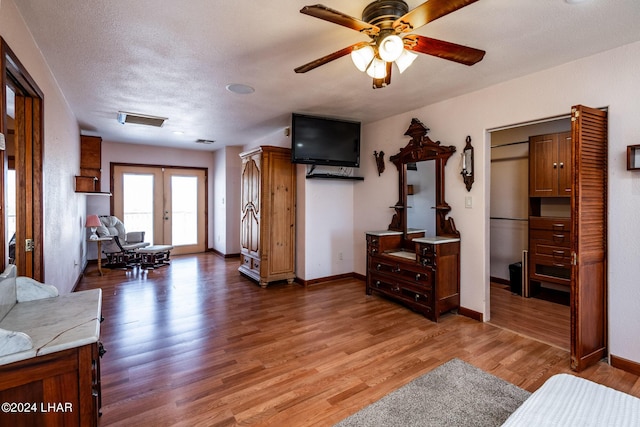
x: 468, y: 202
x: 340, y: 256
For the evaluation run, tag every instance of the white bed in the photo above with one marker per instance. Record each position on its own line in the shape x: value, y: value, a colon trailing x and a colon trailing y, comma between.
x: 565, y: 400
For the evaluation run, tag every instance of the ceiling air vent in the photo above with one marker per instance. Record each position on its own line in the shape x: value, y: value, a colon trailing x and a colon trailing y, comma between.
x: 205, y: 141
x: 140, y: 119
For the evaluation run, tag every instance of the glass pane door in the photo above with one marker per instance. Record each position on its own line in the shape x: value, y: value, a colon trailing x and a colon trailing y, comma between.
x: 138, y: 204
x: 184, y: 210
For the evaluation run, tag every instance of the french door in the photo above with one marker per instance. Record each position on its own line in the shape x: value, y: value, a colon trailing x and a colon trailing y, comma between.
x: 168, y: 204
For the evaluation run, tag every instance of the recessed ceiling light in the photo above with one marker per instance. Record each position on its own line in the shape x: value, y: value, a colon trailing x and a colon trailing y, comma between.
x: 240, y: 88
x: 575, y: 1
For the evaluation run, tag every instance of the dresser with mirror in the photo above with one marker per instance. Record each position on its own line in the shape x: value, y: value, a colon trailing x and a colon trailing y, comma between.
x: 416, y: 260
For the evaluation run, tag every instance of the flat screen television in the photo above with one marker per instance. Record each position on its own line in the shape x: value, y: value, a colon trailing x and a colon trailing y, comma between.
x: 324, y: 141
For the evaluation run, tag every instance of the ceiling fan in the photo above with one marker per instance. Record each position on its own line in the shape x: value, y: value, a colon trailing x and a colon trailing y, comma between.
x: 384, y: 21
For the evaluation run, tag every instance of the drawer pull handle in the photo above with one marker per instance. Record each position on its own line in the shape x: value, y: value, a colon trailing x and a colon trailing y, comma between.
x: 378, y: 267
x: 559, y: 265
x: 558, y: 236
x: 561, y: 165
x: 417, y: 297
x: 374, y: 241
x: 558, y: 253
x: 418, y: 276
x: 377, y: 283
x: 558, y: 225
x: 555, y: 165
x: 396, y: 289
x: 374, y: 251
x: 396, y: 269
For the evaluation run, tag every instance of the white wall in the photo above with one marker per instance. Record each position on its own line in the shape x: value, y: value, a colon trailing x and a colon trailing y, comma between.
x: 64, y: 210
x: 608, y: 80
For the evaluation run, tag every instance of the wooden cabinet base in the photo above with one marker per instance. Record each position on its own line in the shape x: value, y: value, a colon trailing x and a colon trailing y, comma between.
x: 58, y: 389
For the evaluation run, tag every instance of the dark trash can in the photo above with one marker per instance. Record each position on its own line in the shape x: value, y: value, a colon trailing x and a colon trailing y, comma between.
x: 515, y: 277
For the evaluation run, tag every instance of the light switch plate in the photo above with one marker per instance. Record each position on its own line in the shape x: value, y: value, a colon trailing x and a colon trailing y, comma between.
x: 2, y: 143
x: 468, y: 202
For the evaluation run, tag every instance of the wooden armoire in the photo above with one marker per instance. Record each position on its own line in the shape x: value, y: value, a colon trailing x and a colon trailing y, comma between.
x: 267, y: 223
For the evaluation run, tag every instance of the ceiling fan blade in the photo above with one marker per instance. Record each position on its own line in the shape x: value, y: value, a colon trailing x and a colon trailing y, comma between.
x: 328, y: 58
x: 445, y: 50
x: 331, y: 15
x: 380, y: 83
x: 427, y: 12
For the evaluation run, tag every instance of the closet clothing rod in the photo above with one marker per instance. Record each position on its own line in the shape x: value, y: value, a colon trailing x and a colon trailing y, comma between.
x: 509, y: 219
x: 509, y: 143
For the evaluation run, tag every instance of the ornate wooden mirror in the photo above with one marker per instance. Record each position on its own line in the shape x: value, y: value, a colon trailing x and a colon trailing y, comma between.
x: 421, y: 209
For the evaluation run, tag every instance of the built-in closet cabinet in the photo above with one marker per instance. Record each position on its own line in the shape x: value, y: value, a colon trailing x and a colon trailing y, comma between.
x: 550, y: 165
x: 267, y: 222
x: 568, y: 171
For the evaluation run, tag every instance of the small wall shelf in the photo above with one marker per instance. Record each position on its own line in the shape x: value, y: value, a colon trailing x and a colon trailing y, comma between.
x: 633, y: 157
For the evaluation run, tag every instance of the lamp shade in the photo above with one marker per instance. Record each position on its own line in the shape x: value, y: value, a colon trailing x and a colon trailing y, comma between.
x: 405, y: 59
x: 362, y: 57
x: 391, y: 48
x: 93, y: 221
x: 377, y: 69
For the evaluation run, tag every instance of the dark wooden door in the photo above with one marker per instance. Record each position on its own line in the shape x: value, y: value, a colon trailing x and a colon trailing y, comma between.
x: 589, y: 237
x: 565, y: 176
x: 543, y: 152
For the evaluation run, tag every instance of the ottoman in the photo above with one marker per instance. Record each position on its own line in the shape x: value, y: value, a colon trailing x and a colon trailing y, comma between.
x: 154, y: 256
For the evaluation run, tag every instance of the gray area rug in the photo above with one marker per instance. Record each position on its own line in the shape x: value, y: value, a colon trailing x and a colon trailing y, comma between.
x: 454, y: 394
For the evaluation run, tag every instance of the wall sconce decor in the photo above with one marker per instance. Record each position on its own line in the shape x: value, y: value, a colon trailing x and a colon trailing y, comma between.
x: 633, y: 157
x: 379, y: 161
x: 467, y: 164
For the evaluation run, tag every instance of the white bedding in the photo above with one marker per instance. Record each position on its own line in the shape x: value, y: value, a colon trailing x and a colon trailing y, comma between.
x: 565, y: 400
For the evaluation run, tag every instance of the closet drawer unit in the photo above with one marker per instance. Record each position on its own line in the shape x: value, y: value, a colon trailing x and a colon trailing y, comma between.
x: 557, y: 238
x: 558, y: 254
x: 554, y: 224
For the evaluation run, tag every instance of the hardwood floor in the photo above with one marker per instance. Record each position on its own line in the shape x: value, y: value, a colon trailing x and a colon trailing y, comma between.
x: 195, y: 344
x: 545, y: 321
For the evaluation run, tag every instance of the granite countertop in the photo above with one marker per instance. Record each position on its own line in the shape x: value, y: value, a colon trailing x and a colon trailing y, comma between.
x: 55, y: 324
x: 384, y: 233
x: 434, y: 240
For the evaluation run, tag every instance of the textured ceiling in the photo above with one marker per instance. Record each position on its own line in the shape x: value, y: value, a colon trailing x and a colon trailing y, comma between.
x: 174, y: 59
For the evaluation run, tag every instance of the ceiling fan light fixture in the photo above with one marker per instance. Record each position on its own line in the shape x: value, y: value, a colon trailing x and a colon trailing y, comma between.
x: 405, y: 60
x: 362, y: 57
x: 391, y: 48
x: 377, y: 69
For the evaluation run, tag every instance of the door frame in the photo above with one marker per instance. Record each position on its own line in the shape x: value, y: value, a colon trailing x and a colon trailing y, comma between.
x: 29, y: 161
x: 113, y: 165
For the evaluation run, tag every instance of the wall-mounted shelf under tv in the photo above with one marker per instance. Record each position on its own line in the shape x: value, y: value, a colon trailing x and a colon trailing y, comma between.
x: 330, y: 176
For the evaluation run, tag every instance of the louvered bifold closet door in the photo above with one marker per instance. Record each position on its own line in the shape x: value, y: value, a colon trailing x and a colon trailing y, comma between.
x: 589, y: 237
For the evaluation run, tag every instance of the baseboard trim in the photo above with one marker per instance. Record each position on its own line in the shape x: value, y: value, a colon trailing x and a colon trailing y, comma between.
x: 312, y: 282
x: 500, y: 280
x: 626, y: 365
x: 475, y: 315
x: 220, y: 254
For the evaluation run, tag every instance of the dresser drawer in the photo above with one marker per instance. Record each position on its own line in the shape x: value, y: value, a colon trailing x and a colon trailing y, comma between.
x: 414, y: 275
x: 250, y: 262
x: 402, y: 290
